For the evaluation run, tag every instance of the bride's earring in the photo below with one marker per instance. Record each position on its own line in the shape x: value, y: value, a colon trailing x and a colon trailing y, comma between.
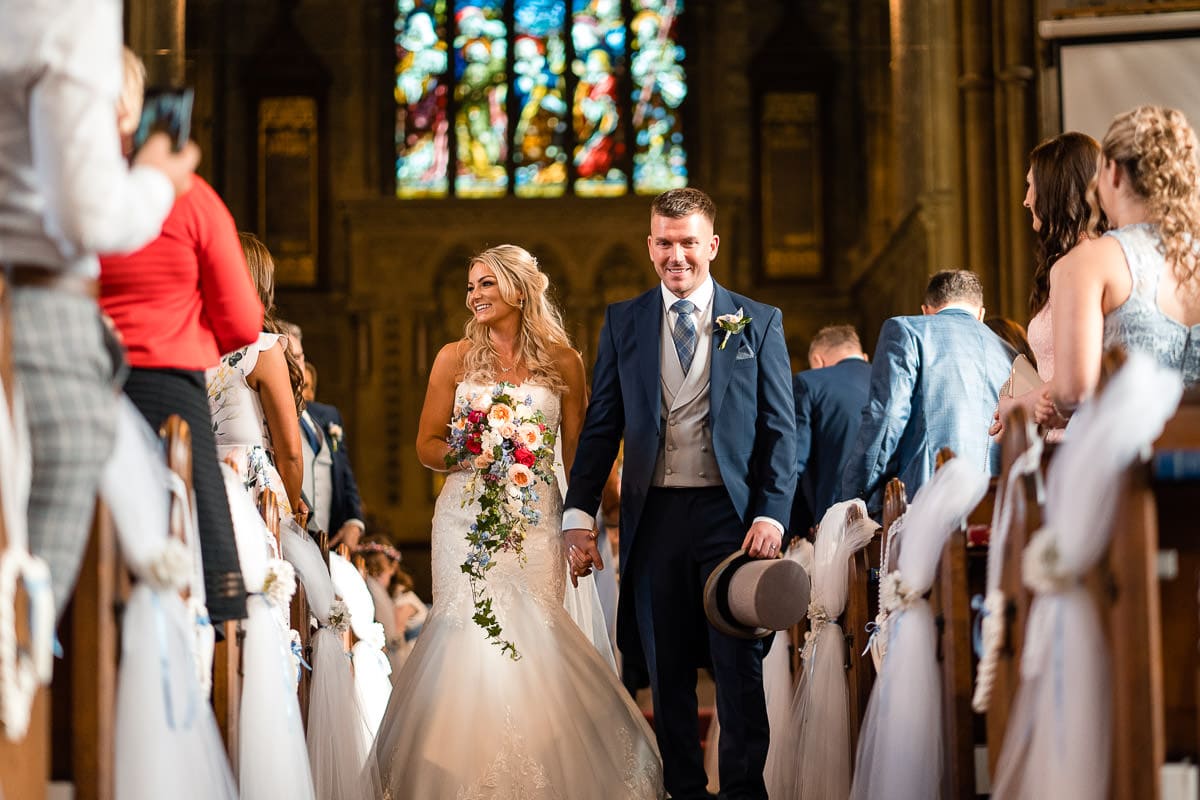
x: 521, y: 304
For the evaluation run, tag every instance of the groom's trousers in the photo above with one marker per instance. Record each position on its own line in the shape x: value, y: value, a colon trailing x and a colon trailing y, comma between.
x: 683, y: 534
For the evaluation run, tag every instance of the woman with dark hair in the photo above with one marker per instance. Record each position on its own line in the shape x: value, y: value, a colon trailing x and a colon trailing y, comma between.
x: 1137, y: 286
x: 1060, y: 171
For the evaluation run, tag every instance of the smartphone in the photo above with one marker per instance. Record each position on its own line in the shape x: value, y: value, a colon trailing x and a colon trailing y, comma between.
x: 168, y: 111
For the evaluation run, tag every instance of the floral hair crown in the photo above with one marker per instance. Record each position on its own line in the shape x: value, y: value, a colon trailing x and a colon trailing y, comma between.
x: 385, y: 549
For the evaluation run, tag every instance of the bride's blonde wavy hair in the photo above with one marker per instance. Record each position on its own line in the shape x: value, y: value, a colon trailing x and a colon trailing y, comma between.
x: 1157, y: 148
x: 521, y: 284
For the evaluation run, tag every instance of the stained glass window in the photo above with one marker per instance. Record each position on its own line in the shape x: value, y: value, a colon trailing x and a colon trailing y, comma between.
x: 539, y: 98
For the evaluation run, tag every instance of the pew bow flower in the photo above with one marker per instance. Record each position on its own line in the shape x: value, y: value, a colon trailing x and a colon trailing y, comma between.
x: 508, y: 448
x: 730, y: 325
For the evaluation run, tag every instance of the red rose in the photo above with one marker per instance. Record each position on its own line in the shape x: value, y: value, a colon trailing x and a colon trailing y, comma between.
x: 524, y: 456
x: 475, y: 417
x: 474, y: 446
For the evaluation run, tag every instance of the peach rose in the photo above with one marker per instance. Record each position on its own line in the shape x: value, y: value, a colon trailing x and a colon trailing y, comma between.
x: 483, y: 460
x: 481, y: 401
x: 520, y: 476
x: 506, y: 430
x: 529, y: 435
x: 499, y: 413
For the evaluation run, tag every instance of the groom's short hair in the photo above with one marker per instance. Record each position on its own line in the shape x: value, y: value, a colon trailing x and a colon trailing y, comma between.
x: 680, y: 203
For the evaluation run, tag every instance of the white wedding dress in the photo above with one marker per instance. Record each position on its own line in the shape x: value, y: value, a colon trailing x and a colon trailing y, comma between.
x: 467, y: 722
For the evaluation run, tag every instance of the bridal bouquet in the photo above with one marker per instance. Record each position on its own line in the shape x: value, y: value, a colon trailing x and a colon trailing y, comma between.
x: 509, y: 448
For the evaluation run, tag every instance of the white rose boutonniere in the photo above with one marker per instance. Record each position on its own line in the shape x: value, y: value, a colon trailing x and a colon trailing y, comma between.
x: 731, y: 324
x: 335, y: 435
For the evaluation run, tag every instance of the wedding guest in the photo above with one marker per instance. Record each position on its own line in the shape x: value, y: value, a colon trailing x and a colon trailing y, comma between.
x: 934, y: 383
x: 382, y: 560
x: 1138, y: 285
x: 411, y: 611
x: 329, y: 485
x: 1060, y: 171
x: 179, y: 304
x: 254, y: 396
x: 830, y: 397
x: 67, y: 194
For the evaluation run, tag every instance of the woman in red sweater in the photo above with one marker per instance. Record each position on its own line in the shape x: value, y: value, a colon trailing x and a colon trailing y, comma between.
x: 179, y: 304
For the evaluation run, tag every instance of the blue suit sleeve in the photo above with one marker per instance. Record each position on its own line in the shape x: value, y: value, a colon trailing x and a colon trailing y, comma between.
x: 353, y: 503
x: 775, y: 436
x: 893, y: 381
x: 803, y: 397
x: 602, y: 428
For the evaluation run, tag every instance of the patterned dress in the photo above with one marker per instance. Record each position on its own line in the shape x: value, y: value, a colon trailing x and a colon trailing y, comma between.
x: 239, y: 425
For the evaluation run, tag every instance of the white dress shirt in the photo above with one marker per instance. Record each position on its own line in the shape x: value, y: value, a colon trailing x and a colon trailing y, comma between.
x: 66, y: 192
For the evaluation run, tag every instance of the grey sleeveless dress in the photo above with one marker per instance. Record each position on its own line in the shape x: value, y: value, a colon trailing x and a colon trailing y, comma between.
x: 1138, y: 324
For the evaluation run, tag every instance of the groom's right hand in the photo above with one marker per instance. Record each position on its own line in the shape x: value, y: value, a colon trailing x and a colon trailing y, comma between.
x: 582, y: 553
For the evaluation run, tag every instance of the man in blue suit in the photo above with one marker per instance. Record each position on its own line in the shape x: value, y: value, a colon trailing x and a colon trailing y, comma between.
x: 329, y: 486
x: 830, y: 398
x: 934, y: 384
x: 696, y: 381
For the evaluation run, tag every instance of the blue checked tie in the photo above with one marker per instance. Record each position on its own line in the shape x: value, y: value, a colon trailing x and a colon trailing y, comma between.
x: 684, y: 333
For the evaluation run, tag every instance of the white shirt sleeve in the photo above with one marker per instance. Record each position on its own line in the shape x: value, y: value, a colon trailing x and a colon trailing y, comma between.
x: 575, y: 518
x: 94, y: 202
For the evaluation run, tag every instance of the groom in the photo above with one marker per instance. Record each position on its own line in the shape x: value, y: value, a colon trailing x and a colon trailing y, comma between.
x: 707, y: 414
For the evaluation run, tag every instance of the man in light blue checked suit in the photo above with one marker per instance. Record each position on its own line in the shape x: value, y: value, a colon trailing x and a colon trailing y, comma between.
x: 935, y: 383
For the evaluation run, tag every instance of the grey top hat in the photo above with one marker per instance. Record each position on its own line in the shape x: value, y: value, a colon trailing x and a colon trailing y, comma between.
x: 752, y: 597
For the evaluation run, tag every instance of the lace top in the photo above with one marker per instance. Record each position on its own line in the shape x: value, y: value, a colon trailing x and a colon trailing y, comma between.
x: 541, y: 577
x: 1138, y: 323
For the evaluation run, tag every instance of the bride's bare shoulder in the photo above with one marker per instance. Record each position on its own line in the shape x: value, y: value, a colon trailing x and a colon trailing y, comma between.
x: 448, y: 365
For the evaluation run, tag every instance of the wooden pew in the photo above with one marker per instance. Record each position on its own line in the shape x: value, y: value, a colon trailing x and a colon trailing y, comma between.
x: 1026, y: 519
x: 1149, y: 581
x: 860, y: 591
x: 84, y: 689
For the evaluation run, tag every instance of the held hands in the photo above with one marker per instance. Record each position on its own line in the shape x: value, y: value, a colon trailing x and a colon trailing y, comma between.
x: 582, y: 553
x: 762, y: 540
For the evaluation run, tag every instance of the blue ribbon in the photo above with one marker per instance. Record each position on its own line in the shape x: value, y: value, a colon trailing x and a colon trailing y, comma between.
x: 979, y: 605
x: 164, y: 662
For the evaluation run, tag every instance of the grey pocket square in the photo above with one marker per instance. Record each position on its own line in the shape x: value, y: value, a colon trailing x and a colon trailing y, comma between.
x: 744, y: 353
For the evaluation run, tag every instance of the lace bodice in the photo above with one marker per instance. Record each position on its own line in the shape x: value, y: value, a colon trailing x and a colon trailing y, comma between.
x: 542, y: 576
x: 1138, y: 323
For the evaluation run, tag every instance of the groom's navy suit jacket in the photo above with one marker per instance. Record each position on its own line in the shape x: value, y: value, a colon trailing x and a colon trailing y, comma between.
x: 752, y: 419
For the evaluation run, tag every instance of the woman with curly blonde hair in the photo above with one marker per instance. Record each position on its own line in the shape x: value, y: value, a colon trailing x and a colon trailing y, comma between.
x: 464, y: 719
x: 1138, y: 285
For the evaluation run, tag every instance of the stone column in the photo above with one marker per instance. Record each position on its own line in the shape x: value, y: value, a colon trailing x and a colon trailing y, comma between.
x: 976, y: 86
x: 1016, y: 136
x: 156, y: 34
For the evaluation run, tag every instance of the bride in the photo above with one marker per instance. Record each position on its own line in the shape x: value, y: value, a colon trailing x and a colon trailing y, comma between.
x: 465, y: 719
